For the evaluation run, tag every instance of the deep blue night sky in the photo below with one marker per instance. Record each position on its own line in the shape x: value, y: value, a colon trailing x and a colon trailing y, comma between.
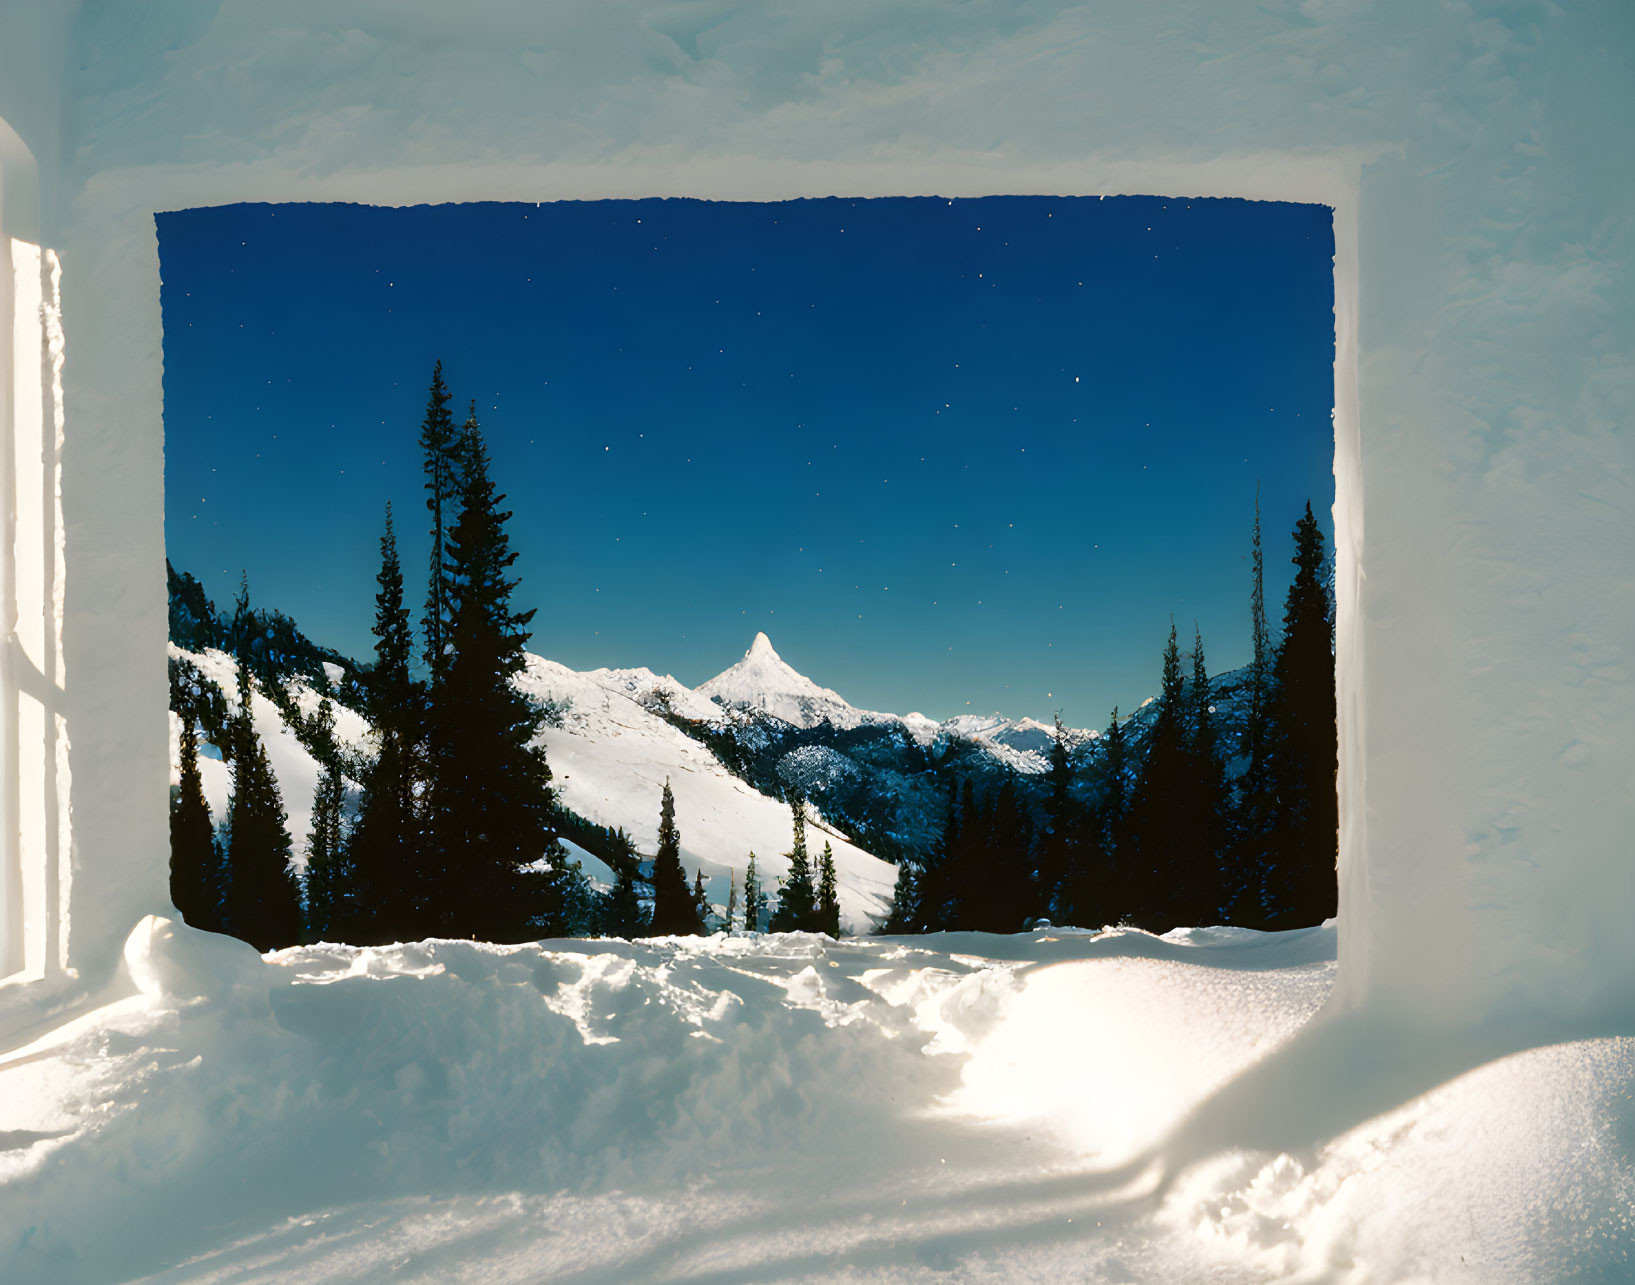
x: 951, y: 456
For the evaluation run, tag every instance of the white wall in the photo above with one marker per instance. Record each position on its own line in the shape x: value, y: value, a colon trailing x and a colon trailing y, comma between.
x: 1479, y: 160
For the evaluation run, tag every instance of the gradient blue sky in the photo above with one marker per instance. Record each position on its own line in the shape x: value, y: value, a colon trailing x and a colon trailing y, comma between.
x: 952, y: 456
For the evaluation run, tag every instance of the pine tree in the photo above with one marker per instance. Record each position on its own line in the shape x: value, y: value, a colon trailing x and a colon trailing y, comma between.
x: 194, y: 860
x: 754, y: 897
x: 329, y: 882
x: 963, y: 877
x: 1304, y: 841
x: 438, y: 445
x: 1059, y: 840
x: 1253, y: 808
x: 675, y: 912
x: 491, y: 804
x: 828, y: 903
x: 905, y: 913
x: 732, y: 901
x: 1012, y: 896
x: 261, y: 901
x: 1098, y: 886
x: 1156, y: 872
x: 385, y: 853
x: 622, y: 914
x: 796, y: 910
x: 1207, y: 814
x: 701, y: 901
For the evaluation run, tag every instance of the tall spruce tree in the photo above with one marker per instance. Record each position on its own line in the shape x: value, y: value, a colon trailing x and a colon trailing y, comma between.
x: 701, y: 901
x: 1304, y: 840
x: 675, y: 911
x: 1253, y: 805
x: 385, y: 852
x: 261, y: 901
x: 439, y: 444
x: 1012, y: 891
x: 1059, y: 838
x: 1208, y: 812
x: 1156, y: 874
x: 828, y: 901
x: 330, y: 885
x: 1100, y: 886
x: 797, y: 909
x: 194, y: 861
x: 491, y: 804
x: 732, y: 901
x: 962, y: 872
x: 754, y: 897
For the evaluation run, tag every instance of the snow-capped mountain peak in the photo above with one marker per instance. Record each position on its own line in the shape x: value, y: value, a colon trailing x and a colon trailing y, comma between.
x: 764, y: 681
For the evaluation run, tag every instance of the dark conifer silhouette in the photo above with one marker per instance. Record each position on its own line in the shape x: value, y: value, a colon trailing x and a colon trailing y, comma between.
x: 386, y: 853
x: 936, y: 899
x: 732, y: 901
x: 675, y: 910
x: 1208, y: 806
x: 438, y: 446
x: 1011, y: 889
x: 261, y: 901
x: 754, y: 897
x: 797, y: 898
x: 194, y: 862
x: 491, y: 803
x: 1252, y: 809
x: 905, y: 913
x: 701, y: 901
x: 622, y: 913
x: 1105, y: 895
x: 1156, y: 870
x: 1305, y: 749
x: 1059, y: 838
x: 330, y: 883
x: 962, y: 875
x: 828, y: 902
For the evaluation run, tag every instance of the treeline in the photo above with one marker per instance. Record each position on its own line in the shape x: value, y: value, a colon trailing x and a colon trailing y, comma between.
x: 1168, y: 837
x: 455, y: 833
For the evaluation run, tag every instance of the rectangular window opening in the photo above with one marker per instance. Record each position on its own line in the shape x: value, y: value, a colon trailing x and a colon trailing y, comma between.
x: 901, y: 491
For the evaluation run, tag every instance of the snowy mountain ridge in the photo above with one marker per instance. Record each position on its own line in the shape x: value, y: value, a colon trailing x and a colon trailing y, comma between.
x: 763, y: 683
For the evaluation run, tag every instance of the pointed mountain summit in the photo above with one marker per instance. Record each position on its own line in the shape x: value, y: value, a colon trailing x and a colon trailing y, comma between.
x: 763, y: 681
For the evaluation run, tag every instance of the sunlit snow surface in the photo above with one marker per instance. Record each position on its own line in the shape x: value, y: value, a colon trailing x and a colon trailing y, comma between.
x: 1050, y: 1106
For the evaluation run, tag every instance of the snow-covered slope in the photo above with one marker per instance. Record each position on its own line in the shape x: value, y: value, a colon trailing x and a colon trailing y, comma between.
x: 613, y: 753
x: 610, y: 757
x: 293, y: 768
x: 763, y: 681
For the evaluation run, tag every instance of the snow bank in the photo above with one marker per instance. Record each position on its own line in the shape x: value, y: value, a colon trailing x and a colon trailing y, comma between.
x: 957, y: 1107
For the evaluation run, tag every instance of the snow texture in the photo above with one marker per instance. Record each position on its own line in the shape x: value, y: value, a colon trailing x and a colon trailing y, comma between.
x: 787, y: 1108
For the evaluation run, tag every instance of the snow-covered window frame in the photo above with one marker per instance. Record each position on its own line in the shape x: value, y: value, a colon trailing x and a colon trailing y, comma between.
x: 34, y: 798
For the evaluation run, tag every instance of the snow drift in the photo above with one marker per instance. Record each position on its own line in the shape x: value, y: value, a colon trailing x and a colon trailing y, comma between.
x: 957, y: 1108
